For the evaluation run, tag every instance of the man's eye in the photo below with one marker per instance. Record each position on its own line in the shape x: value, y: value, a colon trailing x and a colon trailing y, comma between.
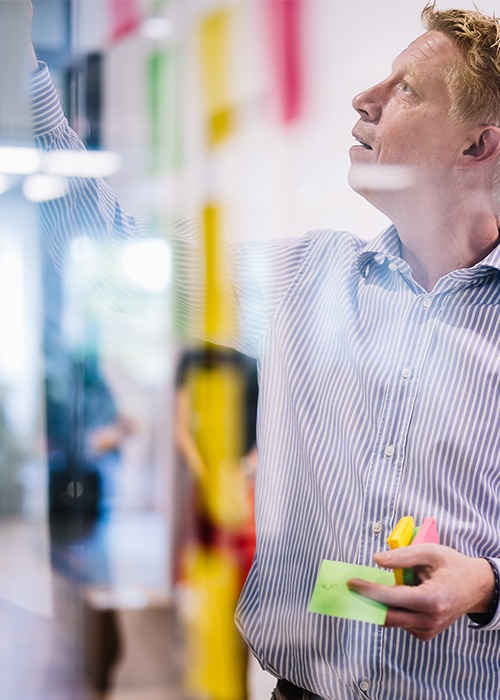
x: 405, y: 87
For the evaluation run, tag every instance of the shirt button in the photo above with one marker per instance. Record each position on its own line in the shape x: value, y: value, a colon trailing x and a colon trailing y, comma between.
x: 406, y: 373
x: 427, y: 302
x: 367, y: 271
x: 376, y: 527
x: 393, y: 266
x: 389, y: 450
x: 364, y: 685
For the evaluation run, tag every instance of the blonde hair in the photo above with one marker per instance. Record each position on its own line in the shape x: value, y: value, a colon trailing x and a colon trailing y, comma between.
x: 474, y: 85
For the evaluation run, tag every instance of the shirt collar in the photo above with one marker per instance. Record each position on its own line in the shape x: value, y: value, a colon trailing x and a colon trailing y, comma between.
x: 492, y: 260
x: 387, y: 246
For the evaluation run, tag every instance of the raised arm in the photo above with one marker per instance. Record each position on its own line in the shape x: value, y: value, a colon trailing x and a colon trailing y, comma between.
x: 87, y: 207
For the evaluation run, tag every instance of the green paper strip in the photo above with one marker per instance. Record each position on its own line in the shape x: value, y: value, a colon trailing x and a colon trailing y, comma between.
x: 164, y: 108
x: 331, y: 596
x: 159, y: 6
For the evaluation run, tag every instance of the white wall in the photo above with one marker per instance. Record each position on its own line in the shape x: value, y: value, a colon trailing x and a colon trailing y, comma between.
x: 275, y: 180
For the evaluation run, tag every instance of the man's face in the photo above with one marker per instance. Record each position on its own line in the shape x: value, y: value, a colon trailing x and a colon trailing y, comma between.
x: 405, y: 119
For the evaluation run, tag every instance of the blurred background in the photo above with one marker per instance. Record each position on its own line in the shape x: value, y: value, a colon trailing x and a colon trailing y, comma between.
x: 120, y: 560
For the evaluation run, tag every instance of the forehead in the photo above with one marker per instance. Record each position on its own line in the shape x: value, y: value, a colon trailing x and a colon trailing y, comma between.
x: 431, y: 53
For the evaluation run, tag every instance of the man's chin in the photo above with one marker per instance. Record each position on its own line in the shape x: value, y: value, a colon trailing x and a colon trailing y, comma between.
x: 368, y: 179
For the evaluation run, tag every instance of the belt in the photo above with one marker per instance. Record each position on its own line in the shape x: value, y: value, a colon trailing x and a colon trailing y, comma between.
x: 289, y: 691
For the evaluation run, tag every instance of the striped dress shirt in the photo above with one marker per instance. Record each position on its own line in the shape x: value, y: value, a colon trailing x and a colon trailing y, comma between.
x: 377, y: 400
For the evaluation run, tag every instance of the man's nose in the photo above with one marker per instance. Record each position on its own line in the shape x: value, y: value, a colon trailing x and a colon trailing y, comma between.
x: 369, y: 103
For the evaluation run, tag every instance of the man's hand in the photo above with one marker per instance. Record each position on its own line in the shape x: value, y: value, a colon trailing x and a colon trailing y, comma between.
x: 28, y: 8
x: 451, y: 585
x: 110, y: 437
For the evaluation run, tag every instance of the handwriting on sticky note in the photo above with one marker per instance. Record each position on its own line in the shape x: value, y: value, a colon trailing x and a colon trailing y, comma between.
x: 331, y: 596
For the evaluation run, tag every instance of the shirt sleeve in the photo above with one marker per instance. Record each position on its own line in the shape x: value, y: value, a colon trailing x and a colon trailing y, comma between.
x: 255, y: 278
x: 87, y: 206
x: 265, y: 272
x: 494, y: 623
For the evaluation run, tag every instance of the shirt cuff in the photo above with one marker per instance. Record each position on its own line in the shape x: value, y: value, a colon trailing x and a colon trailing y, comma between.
x: 494, y: 623
x: 46, y: 109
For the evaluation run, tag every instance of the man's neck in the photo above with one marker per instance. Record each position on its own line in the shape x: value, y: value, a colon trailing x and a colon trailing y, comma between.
x: 430, y: 265
x: 436, y: 241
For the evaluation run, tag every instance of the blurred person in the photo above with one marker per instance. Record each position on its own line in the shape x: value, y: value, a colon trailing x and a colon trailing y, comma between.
x: 204, y: 535
x: 191, y: 452
x: 379, y: 393
x: 85, y: 435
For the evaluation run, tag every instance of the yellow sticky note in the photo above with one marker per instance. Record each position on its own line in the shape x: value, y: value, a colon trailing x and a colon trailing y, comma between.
x: 220, y: 314
x: 214, y: 45
x: 402, y: 533
x: 401, y: 536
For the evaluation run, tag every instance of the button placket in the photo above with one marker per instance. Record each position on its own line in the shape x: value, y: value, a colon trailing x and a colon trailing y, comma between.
x: 402, y: 387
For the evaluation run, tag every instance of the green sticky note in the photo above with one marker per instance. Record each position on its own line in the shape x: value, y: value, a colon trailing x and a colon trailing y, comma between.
x: 332, y: 597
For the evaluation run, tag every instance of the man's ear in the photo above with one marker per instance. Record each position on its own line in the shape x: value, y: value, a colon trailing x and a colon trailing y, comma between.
x: 485, y: 144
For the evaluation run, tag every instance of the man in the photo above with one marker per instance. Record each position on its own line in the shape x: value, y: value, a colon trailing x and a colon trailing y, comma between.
x: 380, y: 391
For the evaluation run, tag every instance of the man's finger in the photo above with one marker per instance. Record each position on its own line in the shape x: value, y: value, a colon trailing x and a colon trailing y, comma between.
x: 422, y: 627
x: 407, y: 597
x: 401, y: 618
x: 408, y: 557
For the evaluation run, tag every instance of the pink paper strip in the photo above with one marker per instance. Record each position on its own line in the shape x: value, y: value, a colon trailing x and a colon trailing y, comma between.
x: 286, y: 43
x: 125, y: 18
